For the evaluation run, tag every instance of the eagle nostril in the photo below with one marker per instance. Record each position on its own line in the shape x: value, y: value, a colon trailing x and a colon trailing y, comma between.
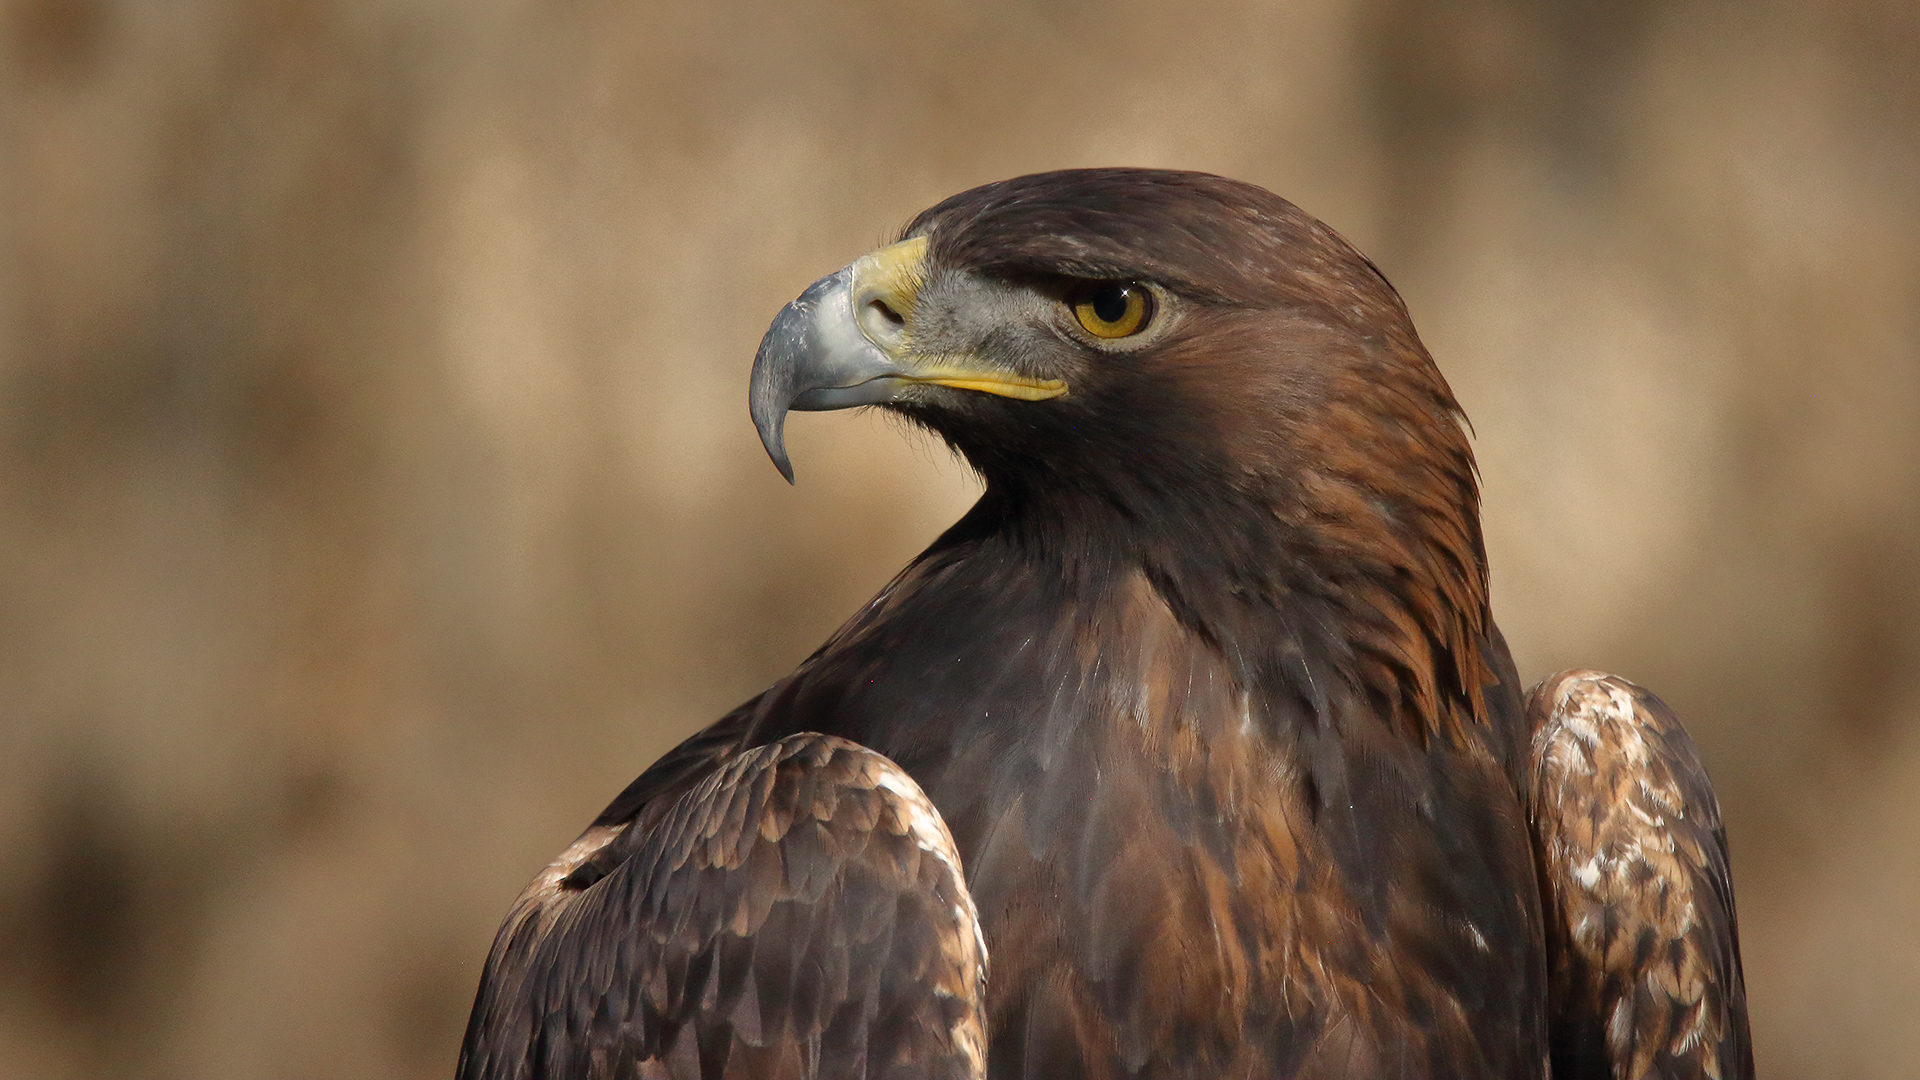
x: 880, y: 322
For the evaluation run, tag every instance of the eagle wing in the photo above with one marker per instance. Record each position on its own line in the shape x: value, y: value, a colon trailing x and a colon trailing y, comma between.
x: 798, y: 911
x: 1642, y: 946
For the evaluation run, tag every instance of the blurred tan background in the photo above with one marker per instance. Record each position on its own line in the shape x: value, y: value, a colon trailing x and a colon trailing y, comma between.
x: 377, y: 495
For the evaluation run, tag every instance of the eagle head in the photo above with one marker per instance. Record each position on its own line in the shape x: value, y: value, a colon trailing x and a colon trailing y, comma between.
x: 1176, y: 369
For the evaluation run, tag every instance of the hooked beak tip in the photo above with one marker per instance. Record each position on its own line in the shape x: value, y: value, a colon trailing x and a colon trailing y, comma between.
x: 771, y: 423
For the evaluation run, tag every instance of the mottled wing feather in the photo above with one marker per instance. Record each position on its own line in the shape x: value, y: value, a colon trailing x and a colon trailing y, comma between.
x: 799, y: 912
x: 1642, y: 943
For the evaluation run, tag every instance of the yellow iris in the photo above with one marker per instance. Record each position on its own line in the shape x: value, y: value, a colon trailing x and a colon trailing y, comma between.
x: 1113, y: 309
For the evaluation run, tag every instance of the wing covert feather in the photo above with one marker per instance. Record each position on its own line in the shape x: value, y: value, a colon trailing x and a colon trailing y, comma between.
x: 1643, y: 948
x: 798, y: 913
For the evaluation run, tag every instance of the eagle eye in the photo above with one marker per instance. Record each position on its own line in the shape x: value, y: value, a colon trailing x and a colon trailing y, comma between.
x: 1113, y: 309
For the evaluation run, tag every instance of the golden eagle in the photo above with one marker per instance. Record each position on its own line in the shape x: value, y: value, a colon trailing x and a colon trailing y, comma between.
x: 1197, y: 723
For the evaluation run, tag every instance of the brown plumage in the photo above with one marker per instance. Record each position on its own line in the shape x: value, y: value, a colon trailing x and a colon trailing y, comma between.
x: 707, y: 907
x: 1205, y: 687
x: 1643, y: 947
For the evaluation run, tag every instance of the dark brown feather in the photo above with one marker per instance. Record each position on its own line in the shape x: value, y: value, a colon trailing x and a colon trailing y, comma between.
x: 799, y: 912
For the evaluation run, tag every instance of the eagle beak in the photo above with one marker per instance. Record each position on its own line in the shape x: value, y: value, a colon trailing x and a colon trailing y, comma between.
x: 845, y: 342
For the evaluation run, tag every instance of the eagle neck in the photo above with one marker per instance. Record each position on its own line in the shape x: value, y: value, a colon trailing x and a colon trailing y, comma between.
x: 1390, y: 621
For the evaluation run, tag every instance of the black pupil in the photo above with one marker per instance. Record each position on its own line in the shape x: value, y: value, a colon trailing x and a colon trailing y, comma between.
x: 1110, y: 302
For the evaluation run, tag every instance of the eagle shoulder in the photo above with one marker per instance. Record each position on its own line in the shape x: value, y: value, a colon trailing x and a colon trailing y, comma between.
x: 1644, y: 954
x: 800, y: 911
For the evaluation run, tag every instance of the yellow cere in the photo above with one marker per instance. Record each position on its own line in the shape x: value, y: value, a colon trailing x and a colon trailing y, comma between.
x: 893, y: 275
